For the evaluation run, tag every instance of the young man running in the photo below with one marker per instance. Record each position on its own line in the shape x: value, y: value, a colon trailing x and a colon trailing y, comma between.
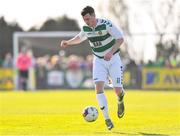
x: 105, y: 40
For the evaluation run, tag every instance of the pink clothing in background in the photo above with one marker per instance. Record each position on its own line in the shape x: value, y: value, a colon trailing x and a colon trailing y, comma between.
x: 24, y: 62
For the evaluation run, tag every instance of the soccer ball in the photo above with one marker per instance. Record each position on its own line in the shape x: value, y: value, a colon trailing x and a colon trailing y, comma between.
x: 90, y: 113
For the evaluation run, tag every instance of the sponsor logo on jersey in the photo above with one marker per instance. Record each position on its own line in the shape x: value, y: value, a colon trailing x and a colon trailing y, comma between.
x: 100, y: 32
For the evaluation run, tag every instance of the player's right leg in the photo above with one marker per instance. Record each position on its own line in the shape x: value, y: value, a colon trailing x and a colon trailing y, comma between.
x: 109, y: 124
x: 99, y: 77
x: 101, y: 98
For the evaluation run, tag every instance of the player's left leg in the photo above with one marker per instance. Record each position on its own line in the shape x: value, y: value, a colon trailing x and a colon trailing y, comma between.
x: 116, y: 74
x: 120, y: 94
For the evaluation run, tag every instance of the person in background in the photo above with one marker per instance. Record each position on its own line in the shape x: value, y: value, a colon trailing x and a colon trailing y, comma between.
x: 8, y: 61
x: 23, y: 63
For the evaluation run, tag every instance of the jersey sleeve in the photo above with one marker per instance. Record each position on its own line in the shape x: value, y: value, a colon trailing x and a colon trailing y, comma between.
x: 82, y: 36
x: 114, y: 31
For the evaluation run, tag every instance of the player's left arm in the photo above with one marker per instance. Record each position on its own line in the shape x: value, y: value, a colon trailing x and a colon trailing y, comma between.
x: 117, y: 45
x: 118, y: 35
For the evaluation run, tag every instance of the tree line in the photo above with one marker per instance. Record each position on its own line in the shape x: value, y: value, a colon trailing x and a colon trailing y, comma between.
x: 8, y: 28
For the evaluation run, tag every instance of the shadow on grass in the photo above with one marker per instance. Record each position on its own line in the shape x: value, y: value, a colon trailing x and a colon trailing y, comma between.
x: 133, y: 134
x: 152, y: 134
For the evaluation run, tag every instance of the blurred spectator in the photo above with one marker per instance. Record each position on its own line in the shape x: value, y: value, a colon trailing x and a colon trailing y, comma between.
x: 139, y: 73
x: 62, y: 60
x: 160, y: 61
x: 24, y: 62
x: 82, y: 63
x: 1, y: 62
x: 8, y: 61
x: 149, y: 64
x: 55, y: 62
x: 73, y: 63
x: 41, y: 63
x: 173, y: 60
x: 131, y: 64
x: 168, y: 64
x: 178, y: 58
x: 46, y: 62
x: 89, y: 60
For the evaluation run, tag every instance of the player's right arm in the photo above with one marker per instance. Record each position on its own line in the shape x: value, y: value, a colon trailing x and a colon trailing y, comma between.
x: 75, y: 40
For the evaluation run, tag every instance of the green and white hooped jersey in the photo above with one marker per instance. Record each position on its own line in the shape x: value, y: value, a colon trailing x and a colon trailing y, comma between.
x: 102, y: 37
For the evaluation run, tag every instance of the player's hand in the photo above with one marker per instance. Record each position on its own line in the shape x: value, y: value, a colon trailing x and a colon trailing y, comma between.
x: 108, y: 56
x: 63, y: 44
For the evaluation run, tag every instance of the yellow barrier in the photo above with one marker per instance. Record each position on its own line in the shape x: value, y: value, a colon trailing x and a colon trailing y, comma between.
x: 160, y: 78
x: 6, y: 79
x: 127, y: 78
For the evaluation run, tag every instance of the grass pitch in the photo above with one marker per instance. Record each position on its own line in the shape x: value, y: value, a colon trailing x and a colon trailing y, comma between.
x: 52, y: 113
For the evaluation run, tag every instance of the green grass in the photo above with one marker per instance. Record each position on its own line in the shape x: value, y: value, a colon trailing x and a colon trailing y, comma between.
x: 50, y: 113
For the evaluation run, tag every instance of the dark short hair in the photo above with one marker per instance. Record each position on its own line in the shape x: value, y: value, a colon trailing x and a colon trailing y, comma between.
x: 87, y: 10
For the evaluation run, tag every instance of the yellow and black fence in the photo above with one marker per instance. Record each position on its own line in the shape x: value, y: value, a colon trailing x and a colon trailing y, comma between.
x: 134, y: 78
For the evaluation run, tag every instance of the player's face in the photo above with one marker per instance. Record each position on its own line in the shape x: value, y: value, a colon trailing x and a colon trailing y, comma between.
x: 90, y: 20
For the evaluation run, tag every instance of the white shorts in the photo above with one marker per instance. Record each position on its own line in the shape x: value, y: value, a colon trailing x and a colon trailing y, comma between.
x: 103, y: 69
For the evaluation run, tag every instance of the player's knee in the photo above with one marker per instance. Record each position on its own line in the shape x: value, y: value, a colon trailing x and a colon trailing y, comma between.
x: 118, y: 90
x: 99, y: 86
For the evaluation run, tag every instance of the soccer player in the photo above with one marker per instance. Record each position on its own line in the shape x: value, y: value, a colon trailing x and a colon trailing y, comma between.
x: 105, y: 39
